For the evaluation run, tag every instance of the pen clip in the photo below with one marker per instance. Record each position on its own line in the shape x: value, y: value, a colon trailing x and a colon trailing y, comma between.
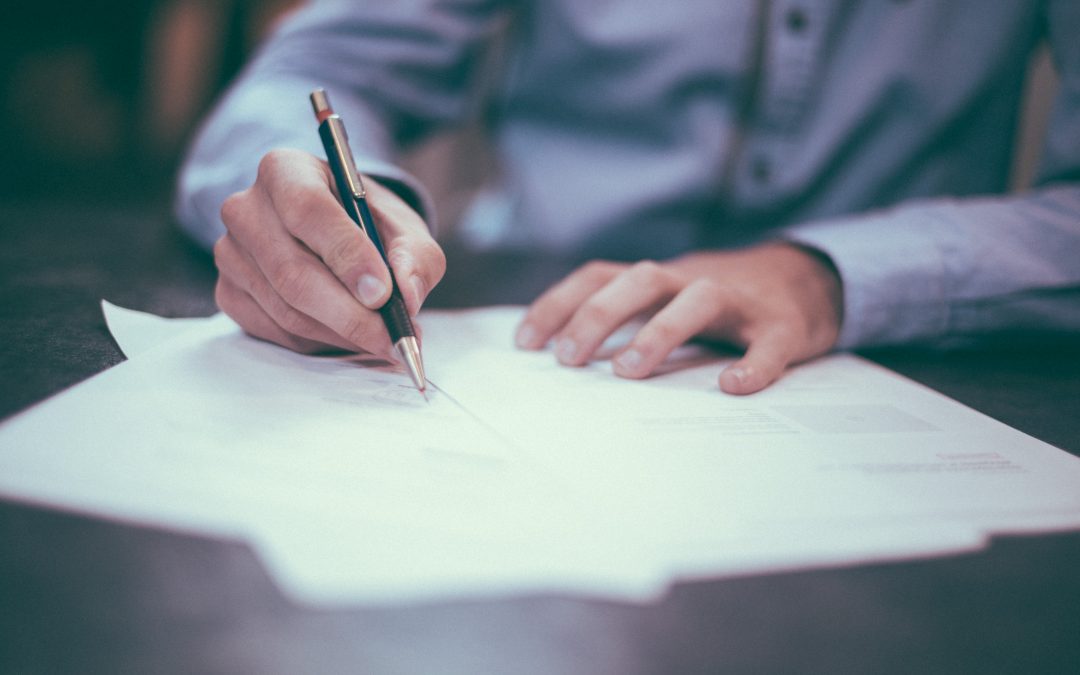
x: 345, y: 156
x: 339, y: 145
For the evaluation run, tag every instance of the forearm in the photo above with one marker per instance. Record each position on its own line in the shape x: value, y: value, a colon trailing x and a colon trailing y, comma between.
x: 393, y: 73
x: 945, y: 269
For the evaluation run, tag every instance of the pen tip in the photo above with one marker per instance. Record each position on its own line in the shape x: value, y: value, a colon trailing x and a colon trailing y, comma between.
x: 409, y: 351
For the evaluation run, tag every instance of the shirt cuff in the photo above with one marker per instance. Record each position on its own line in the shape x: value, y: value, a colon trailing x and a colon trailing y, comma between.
x: 893, y: 267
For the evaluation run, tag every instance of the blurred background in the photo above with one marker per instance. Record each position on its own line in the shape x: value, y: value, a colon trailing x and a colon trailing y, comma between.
x: 100, y: 98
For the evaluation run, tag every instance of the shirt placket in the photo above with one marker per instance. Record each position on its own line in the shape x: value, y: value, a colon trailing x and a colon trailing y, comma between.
x: 793, y: 36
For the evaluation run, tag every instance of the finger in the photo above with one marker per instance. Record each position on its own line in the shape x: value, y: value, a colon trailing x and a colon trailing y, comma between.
x: 550, y: 312
x: 417, y: 260
x: 638, y: 288
x: 250, y: 316
x: 299, y: 188
x: 766, y: 357
x: 236, y: 267
x: 297, y: 276
x: 689, y: 313
x: 307, y: 286
x: 419, y: 264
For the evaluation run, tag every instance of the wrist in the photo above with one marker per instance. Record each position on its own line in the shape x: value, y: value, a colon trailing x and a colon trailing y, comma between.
x: 814, y: 272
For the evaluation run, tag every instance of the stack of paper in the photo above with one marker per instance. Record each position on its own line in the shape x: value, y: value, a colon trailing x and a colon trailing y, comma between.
x: 519, y: 475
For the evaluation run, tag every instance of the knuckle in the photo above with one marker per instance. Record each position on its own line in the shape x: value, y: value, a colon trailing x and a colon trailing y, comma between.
x: 291, y: 279
x: 221, y: 252
x: 663, y: 332
x: 226, y: 253
x: 598, y: 270
x: 708, y: 287
x: 538, y: 313
x: 223, y: 297
x: 291, y: 321
x: 647, y: 273
x: 272, y: 163
x: 596, y: 313
x: 343, y: 251
x: 234, y: 208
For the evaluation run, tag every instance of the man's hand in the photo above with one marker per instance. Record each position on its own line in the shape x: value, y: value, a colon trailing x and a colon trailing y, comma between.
x: 295, y: 270
x: 783, y: 304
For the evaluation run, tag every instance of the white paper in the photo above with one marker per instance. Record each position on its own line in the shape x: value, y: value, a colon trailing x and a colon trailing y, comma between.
x: 138, y: 332
x: 520, y: 475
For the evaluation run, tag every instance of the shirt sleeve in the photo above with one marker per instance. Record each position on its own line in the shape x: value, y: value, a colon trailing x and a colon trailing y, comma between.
x: 951, y: 269
x: 394, y: 72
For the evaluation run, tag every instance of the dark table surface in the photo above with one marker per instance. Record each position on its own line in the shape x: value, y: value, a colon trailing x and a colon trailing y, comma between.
x: 84, y: 595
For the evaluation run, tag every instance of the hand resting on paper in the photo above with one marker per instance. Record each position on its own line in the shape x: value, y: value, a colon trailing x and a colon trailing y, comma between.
x: 780, y: 302
x: 295, y: 270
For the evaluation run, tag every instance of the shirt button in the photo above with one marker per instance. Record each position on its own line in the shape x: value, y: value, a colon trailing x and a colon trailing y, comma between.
x: 796, y: 20
x: 761, y: 169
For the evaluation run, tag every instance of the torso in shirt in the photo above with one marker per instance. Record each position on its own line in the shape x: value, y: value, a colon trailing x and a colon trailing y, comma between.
x: 638, y: 129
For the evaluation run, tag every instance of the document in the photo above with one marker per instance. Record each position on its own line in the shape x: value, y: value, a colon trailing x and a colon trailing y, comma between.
x: 518, y: 475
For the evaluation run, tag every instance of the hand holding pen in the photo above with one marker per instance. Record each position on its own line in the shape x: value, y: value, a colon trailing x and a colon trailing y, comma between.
x: 353, y: 196
x: 296, y: 270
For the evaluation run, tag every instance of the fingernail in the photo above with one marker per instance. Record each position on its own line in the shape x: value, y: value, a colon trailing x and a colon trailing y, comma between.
x: 525, y: 337
x: 739, y: 373
x: 629, y: 360
x: 370, y: 290
x: 566, y: 350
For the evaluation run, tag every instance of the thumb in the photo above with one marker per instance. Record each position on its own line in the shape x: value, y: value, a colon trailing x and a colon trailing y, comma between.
x: 765, y: 359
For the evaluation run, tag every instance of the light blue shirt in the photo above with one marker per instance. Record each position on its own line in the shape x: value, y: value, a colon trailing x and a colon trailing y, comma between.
x: 879, y: 132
